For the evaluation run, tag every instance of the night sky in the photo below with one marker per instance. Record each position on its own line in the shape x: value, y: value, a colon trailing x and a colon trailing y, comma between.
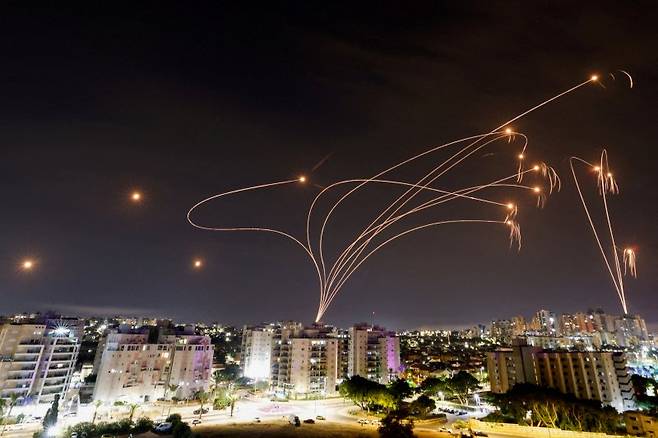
x: 184, y: 102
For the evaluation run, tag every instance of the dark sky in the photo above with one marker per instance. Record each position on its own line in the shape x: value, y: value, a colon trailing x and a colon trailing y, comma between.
x: 186, y: 101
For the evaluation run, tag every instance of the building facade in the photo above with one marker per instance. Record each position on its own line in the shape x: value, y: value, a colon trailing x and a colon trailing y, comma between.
x: 37, y: 358
x: 134, y: 369
x: 374, y: 353
x: 256, y: 357
x: 590, y: 375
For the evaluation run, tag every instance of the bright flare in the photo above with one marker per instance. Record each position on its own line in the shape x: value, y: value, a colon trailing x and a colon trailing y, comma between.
x: 27, y: 265
x: 136, y: 196
x: 594, y: 78
x: 508, y: 130
x: 198, y: 263
x: 302, y: 179
x: 536, y: 189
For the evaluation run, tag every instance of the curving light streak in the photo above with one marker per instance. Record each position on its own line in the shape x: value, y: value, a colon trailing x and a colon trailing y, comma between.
x: 333, y: 275
x: 606, y: 184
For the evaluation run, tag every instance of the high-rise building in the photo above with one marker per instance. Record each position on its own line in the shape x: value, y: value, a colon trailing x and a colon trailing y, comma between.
x: 37, y: 357
x: 518, y: 326
x: 257, y: 351
x: 305, y: 361
x: 631, y: 331
x: 588, y: 375
x: 502, y: 331
x: 374, y: 353
x: 142, y: 365
x: 545, y: 322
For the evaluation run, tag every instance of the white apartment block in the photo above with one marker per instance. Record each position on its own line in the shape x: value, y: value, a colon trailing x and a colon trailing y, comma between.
x: 133, y: 369
x: 374, y: 353
x: 257, y: 351
x: 305, y: 361
x: 590, y: 375
x: 37, y: 359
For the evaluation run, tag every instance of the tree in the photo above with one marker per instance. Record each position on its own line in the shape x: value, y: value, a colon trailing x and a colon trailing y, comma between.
x: 132, y: 407
x: 171, y: 388
x: 393, y: 427
x: 13, y: 401
x: 400, y: 389
x: 547, y: 407
x: 362, y: 392
x: 97, y: 404
x: 422, y: 406
x: 461, y: 385
x: 202, y: 397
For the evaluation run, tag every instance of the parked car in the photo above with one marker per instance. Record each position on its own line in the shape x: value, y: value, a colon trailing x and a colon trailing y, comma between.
x: 309, y: 421
x: 200, y: 411
x: 107, y: 435
x: 479, y: 433
x: 74, y: 435
x: 294, y: 420
x: 320, y: 417
x: 163, y: 427
x: 196, y: 421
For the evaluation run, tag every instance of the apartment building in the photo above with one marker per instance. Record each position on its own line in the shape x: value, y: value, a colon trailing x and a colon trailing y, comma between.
x: 256, y: 357
x: 590, y: 375
x: 142, y: 365
x: 374, y: 353
x: 305, y: 361
x: 37, y: 357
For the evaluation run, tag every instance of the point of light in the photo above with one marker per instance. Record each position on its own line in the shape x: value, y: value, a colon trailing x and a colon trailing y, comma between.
x: 594, y: 78
x: 521, y: 156
x: 535, y: 167
x: 536, y: 189
x: 302, y: 179
x: 597, y: 168
x: 136, y: 196
x: 27, y: 264
x: 609, y: 175
x: 509, y: 222
x: 508, y: 130
x: 198, y: 263
x: 510, y: 206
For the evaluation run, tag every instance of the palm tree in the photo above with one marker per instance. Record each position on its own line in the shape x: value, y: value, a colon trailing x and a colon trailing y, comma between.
x: 132, y: 407
x: 203, y: 397
x: 13, y: 401
x: 172, y: 388
x: 97, y: 404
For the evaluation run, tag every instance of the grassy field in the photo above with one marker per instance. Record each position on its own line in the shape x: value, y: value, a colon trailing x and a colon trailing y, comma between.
x: 282, y: 429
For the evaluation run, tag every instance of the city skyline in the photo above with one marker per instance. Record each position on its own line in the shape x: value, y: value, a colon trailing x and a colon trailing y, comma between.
x: 113, y: 132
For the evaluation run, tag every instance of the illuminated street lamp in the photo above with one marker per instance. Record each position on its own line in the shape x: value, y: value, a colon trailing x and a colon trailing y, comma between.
x: 197, y: 264
x: 136, y: 196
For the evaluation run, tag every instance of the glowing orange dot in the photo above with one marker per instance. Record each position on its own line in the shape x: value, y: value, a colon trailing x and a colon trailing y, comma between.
x: 535, y: 167
x: 594, y: 78
x: 508, y: 130
x: 136, y: 196
x: 302, y: 179
x: 609, y: 175
x: 509, y: 222
x: 27, y: 264
x: 596, y: 168
x: 510, y: 206
x: 536, y: 189
x: 521, y: 156
x: 198, y: 263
